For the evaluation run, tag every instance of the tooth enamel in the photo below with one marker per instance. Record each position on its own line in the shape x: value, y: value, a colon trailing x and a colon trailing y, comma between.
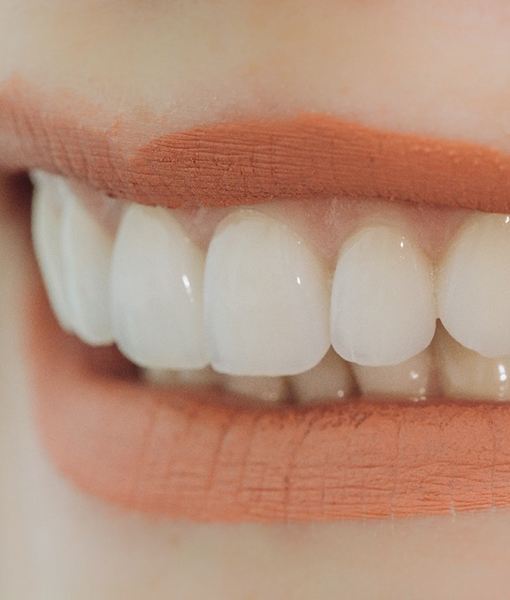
x: 412, y: 378
x: 382, y: 307
x: 46, y: 229
x: 266, y: 298
x: 474, y: 286
x: 193, y: 377
x: 331, y: 379
x: 160, y: 377
x: 268, y: 389
x: 157, y: 274
x: 465, y: 374
x: 86, y: 257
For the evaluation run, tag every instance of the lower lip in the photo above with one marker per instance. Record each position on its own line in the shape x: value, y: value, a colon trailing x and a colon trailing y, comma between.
x: 189, y: 455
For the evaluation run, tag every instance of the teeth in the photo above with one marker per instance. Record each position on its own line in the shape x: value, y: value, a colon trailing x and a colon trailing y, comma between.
x: 46, y: 227
x: 194, y: 378
x: 268, y: 389
x: 412, y: 378
x: 330, y: 379
x: 86, y: 255
x: 258, y: 308
x: 157, y: 291
x: 473, y: 288
x: 382, y: 307
x: 466, y: 374
x: 266, y: 299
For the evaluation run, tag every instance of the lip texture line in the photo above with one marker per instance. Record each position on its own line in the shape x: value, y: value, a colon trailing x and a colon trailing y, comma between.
x: 245, y: 162
x: 185, y: 455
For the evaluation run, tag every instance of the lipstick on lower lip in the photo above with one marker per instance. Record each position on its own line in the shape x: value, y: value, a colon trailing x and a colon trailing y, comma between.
x: 185, y: 455
x: 308, y: 156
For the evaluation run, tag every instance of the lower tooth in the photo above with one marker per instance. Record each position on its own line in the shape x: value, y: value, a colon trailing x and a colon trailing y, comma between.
x: 268, y: 389
x: 330, y: 379
x: 411, y: 378
x: 193, y: 378
x: 46, y: 228
x: 464, y: 373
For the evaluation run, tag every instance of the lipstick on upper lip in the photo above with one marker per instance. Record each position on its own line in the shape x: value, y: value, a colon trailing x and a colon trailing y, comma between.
x: 245, y: 162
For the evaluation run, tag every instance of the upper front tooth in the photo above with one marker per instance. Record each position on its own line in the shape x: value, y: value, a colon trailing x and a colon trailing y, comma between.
x: 382, y: 307
x: 46, y: 229
x: 474, y: 286
x: 195, y: 377
x: 266, y: 298
x: 157, y: 274
x: 86, y: 257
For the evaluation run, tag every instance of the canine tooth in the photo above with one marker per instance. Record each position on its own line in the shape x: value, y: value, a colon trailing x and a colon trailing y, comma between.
x: 268, y: 389
x: 46, y: 229
x: 411, y: 378
x: 464, y: 373
x: 474, y: 286
x: 382, y: 308
x: 330, y: 379
x: 266, y: 298
x: 157, y: 278
x: 86, y: 257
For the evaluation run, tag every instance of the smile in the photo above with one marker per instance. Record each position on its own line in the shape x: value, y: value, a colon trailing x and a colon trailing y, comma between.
x: 225, y: 350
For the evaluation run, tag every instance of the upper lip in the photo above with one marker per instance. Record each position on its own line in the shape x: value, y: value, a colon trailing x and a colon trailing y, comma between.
x: 244, y: 162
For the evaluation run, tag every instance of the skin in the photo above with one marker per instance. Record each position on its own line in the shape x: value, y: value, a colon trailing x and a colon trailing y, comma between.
x: 202, y: 62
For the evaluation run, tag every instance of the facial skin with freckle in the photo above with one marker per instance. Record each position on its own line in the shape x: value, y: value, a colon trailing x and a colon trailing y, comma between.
x: 88, y: 508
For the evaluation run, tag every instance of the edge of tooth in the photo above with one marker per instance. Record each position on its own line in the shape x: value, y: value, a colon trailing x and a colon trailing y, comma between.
x: 86, y: 256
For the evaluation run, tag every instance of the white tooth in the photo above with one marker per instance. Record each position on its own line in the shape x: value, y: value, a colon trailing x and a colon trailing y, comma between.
x: 160, y: 377
x: 157, y: 278
x: 330, y: 379
x: 266, y: 298
x: 199, y: 377
x: 86, y: 257
x: 46, y: 229
x: 382, y: 307
x: 474, y: 286
x: 411, y: 378
x: 268, y: 389
x: 465, y: 374
x: 191, y: 377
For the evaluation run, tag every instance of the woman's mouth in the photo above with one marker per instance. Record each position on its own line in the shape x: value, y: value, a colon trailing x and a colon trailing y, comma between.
x: 277, y: 361
x: 306, y: 320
